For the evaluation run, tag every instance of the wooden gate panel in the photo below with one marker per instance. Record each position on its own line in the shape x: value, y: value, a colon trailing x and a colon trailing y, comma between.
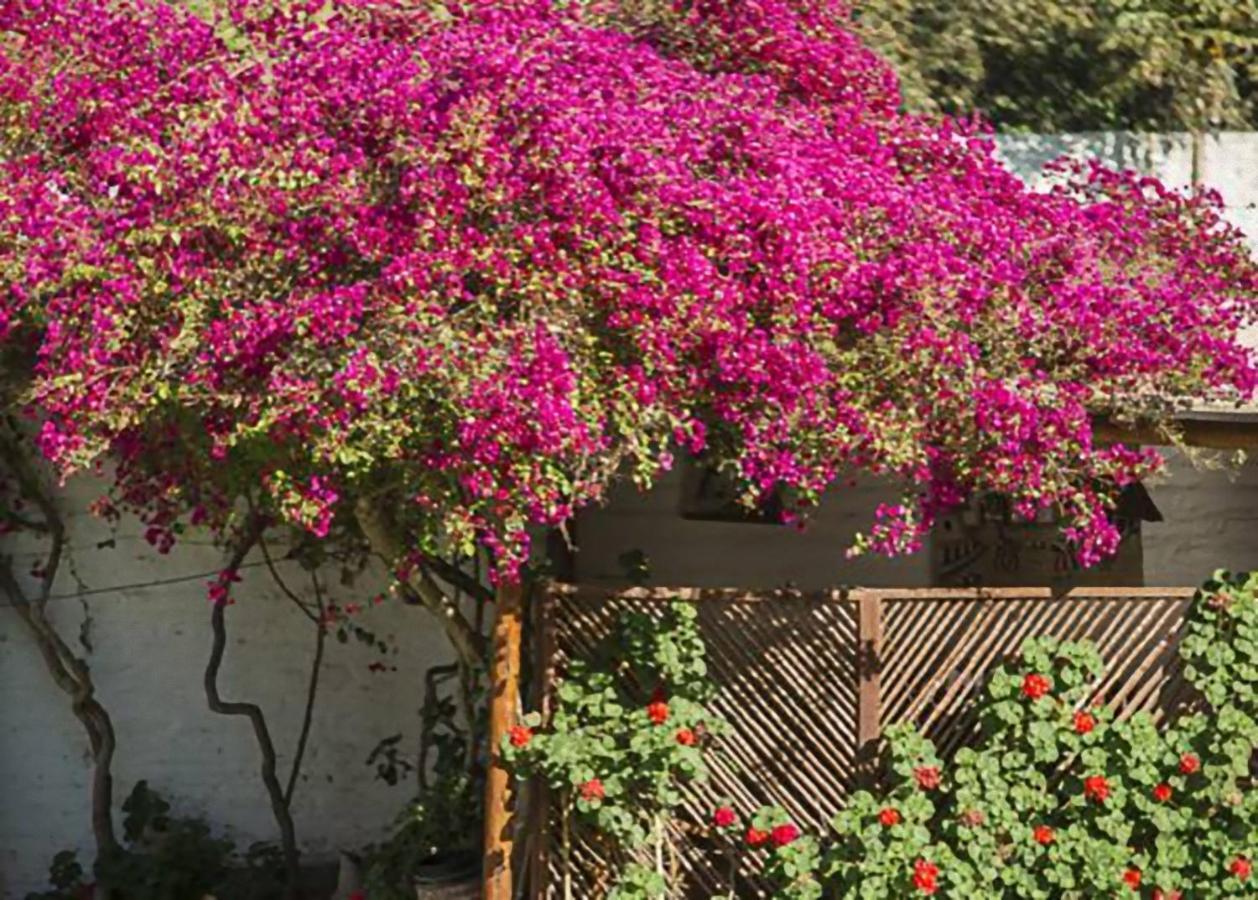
x: 785, y: 666
x: 809, y: 681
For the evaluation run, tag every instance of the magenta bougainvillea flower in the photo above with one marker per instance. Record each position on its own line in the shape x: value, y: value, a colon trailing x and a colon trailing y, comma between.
x: 473, y: 266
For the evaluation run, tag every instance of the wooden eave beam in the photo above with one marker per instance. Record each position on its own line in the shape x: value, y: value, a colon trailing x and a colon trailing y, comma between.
x: 1216, y: 433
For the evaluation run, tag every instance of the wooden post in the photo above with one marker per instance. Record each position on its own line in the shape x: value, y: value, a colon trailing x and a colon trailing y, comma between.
x: 869, y: 696
x: 504, y: 680
x: 542, y: 609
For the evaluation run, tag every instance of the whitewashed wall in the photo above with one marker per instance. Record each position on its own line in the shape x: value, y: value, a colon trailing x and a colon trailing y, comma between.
x: 1228, y: 162
x: 149, y: 644
x: 149, y: 650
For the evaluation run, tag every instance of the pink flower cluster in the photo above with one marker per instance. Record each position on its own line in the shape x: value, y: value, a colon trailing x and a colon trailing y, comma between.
x: 488, y: 261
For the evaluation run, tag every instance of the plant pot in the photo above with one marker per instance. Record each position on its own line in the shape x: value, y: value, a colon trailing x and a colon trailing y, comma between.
x: 450, y: 876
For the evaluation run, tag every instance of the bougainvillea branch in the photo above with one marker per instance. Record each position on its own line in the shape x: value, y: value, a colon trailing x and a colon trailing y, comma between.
x: 241, y: 544
x: 475, y: 262
x: 69, y: 671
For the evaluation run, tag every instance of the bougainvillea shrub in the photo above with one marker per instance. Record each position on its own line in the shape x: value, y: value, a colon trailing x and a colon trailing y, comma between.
x: 467, y: 263
x: 1056, y: 798
x: 629, y: 731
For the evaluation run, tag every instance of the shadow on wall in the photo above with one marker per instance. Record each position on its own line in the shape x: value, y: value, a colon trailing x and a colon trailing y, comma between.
x: 148, y: 648
x: 1210, y: 520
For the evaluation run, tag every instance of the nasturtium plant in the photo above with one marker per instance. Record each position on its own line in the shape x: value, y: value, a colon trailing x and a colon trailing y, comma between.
x: 426, y: 277
x: 1058, y: 799
x: 629, y: 731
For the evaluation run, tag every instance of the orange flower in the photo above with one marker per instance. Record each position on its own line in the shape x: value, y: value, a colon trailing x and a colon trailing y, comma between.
x: 592, y: 790
x: 927, y: 777
x: 1096, y: 788
x: 784, y: 834
x: 756, y: 837
x: 658, y: 712
x: 925, y: 876
x: 1035, y: 686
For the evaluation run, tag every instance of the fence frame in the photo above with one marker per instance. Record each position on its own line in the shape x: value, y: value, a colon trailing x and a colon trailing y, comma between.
x: 869, y: 606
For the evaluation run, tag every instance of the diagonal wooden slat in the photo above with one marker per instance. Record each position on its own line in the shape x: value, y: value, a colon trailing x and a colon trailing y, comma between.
x: 788, y: 670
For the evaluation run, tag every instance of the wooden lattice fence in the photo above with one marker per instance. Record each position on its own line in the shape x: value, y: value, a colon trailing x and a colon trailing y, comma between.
x: 808, y: 682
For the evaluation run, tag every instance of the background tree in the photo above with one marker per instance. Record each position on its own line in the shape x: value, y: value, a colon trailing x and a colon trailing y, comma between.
x: 1047, y: 66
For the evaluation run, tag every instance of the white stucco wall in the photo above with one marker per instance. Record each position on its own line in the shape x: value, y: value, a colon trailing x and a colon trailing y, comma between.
x: 1210, y: 522
x: 149, y: 651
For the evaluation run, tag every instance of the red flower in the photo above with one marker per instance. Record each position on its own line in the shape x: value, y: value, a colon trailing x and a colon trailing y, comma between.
x: 889, y: 816
x: 592, y: 790
x: 686, y: 737
x: 1159, y: 894
x: 358, y: 895
x: 1084, y: 722
x: 520, y: 736
x: 1163, y: 792
x: 784, y: 834
x: 1035, y: 686
x: 658, y: 712
x: 925, y: 876
x: 756, y: 837
x: 927, y: 777
x: 1242, y: 868
x: 1189, y: 763
x: 658, y: 695
x: 1096, y: 788
x: 1132, y: 879
x: 724, y: 817
x: 1044, y: 835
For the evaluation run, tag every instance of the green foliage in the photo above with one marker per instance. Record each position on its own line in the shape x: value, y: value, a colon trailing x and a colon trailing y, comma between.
x: 445, y: 818
x: 1056, y: 798
x: 628, y: 733
x: 169, y: 858
x: 1048, y: 66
